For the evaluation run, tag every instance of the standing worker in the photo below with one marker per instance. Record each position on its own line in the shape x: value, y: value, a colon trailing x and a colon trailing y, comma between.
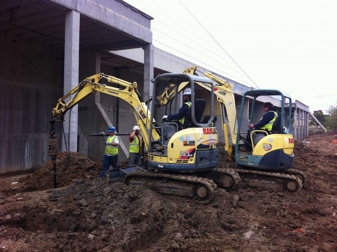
x: 111, y: 151
x: 135, y: 146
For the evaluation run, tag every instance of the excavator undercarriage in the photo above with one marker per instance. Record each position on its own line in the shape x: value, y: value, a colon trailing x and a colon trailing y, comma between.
x: 201, y: 186
x: 272, y: 180
x: 200, y: 189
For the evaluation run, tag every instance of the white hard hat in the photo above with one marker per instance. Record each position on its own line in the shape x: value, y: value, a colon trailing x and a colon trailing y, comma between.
x: 187, y: 91
x: 135, y: 127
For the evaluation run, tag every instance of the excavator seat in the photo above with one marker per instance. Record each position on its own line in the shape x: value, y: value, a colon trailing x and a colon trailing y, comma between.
x: 199, y: 105
x: 168, y: 130
x: 206, y: 118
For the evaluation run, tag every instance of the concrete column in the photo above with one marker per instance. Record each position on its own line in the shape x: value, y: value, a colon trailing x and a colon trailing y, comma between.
x: 300, y: 114
x: 71, y: 72
x: 307, y: 120
x: 295, y: 124
x: 148, y: 71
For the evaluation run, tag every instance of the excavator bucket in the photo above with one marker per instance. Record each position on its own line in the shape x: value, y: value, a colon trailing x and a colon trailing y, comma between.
x: 119, y: 174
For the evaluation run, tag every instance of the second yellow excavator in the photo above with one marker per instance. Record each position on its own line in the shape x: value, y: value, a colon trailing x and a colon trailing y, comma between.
x: 269, y: 162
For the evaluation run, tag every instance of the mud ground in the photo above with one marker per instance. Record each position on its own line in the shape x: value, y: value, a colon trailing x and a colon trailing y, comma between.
x: 84, y: 214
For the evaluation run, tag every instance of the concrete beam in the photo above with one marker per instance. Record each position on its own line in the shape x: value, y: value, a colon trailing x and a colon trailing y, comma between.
x: 109, y: 17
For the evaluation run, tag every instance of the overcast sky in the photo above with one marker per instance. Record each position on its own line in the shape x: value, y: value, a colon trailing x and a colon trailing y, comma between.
x: 290, y: 45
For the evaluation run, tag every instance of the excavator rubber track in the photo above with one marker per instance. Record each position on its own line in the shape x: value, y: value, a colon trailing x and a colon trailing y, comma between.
x: 202, y: 190
x: 227, y: 178
x: 301, y: 175
x: 273, y: 180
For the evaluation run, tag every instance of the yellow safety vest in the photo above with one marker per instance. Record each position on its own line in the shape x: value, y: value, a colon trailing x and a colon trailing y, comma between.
x: 269, y: 126
x: 135, y: 144
x: 109, y: 149
x: 182, y: 120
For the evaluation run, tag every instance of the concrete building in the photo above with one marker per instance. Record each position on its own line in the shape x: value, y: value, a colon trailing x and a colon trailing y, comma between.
x: 48, y: 46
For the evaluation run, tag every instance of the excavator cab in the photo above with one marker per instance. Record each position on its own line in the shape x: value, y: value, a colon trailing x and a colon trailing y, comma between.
x: 191, y: 149
x: 271, y: 150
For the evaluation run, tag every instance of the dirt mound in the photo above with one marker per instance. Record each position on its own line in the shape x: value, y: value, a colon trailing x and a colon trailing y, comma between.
x: 86, y: 214
x: 69, y: 167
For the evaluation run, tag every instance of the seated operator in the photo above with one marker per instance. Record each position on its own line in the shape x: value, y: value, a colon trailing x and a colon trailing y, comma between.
x: 180, y: 116
x: 265, y: 123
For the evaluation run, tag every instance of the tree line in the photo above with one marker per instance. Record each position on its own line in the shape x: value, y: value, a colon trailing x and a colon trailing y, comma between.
x: 329, y: 120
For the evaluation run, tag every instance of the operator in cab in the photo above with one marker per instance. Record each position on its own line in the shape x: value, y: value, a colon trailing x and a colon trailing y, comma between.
x: 265, y: 123
x: 180, y: 116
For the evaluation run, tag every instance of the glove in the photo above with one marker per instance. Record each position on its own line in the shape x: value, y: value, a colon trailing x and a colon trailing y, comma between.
x: 107, y: 143
x: 165, y: 118
x: 102, y: 133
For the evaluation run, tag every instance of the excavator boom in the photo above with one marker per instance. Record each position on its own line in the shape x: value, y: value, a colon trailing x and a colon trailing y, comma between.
x: 126, y: 91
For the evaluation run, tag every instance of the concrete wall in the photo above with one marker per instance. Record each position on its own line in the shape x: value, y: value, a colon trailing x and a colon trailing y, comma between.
x: 30, y: 83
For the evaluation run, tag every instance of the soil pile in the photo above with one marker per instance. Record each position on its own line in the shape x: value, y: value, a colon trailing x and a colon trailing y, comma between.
x: 85, y: 214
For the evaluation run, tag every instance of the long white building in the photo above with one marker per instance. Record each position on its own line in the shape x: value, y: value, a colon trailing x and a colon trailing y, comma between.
x: 48, y: 46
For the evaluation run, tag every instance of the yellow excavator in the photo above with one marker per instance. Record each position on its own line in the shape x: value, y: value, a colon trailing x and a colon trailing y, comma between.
x: 272, y: 155
x: 180, y: 162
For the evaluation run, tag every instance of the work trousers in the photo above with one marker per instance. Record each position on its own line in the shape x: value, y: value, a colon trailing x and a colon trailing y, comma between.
x: 109, y: 160
x: 134, y: 159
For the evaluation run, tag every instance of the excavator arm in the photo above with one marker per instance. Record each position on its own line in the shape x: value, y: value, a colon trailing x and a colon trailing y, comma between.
x: 127, y: 92
x: 225, y: 97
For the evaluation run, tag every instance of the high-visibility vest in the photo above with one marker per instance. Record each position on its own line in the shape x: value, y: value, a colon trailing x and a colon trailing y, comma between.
x: 182, y: 120
x: 135, y: 144
x: 269, y: 125
x: 109, y: 149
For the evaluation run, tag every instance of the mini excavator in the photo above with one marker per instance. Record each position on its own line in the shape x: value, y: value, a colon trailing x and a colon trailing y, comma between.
x: 180, y: 162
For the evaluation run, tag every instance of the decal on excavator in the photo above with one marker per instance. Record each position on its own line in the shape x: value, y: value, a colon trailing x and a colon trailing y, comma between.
x: 210, y: 142
x: 267, y: 146
x: 186, y: 154
x: 112, y: 92
x: 208, y: 131
x: 189, y: 141
x: 142, y: 114
x: 289, y: 140
x: 140, y: 111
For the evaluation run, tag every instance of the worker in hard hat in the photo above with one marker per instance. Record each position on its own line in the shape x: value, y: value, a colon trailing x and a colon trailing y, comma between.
x: 111, y: 151
x: 180, y: 116
x: 135, y: 146
x: 266, y: 123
